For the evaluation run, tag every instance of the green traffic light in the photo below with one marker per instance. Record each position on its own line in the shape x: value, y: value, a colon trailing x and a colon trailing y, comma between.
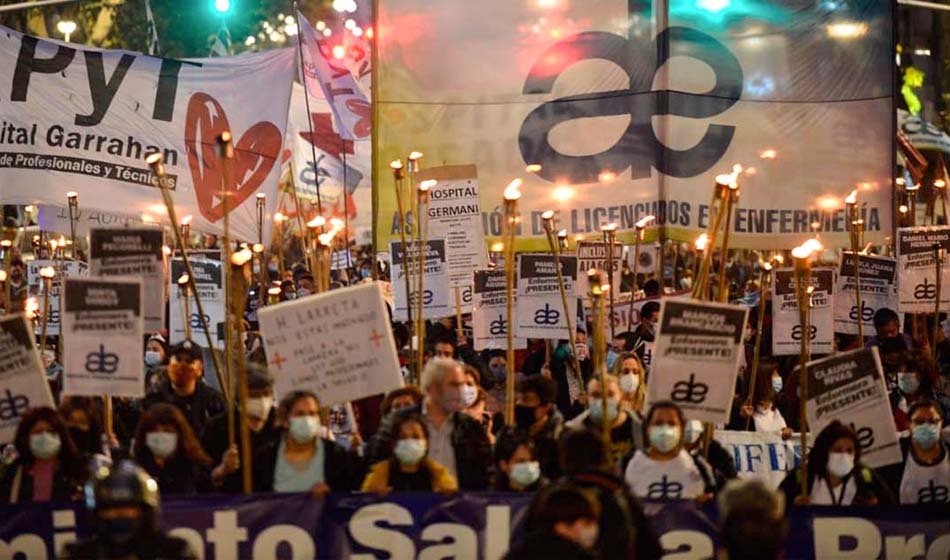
x: 222, y: 6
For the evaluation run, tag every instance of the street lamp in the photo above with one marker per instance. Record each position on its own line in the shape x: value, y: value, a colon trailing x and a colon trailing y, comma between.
x: 67, y: 27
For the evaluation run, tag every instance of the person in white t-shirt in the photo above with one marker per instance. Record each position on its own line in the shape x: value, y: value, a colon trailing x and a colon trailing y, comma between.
x: 765, y: 416
x: 665, y: 470
x: 924, y: 476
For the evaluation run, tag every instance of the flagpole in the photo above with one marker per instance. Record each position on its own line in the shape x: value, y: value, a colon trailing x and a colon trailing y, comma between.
x: 306, y: 98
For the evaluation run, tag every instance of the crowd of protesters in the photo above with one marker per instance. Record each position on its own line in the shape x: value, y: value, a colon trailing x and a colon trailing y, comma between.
x: 447, y: 433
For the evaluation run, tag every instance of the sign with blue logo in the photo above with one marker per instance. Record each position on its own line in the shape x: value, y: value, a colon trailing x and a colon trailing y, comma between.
x: 103, y: 326
x: 540, y: 311
x: 437, y: 298
x: 22, y: 379
x: 878, y: 290
x: 210, y: 283
x: 490, y: 312
x: 133, y: 252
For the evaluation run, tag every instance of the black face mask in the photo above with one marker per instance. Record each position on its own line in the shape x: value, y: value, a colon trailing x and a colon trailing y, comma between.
x: 85, y: 439
x: 524, y: 416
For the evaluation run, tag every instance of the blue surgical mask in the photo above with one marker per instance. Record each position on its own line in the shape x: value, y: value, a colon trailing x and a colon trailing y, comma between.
x: 410, y: 451
x: 664, y: 438
x: 45, y: 445
x: 153, y: 358
x: 611, y: 358
x: 366, y: 273
x: 777, y: 384
x: 469, y: 395
x: 926, y: 435
x: 907, y: 382
x: 597, y: 409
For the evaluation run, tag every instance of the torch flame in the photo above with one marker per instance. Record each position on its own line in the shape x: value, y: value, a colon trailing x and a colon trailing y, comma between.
x: 512, y: 191
x: 47, y: 272
x: 186, y: 220
x: 807, y: 249
x: 497, y: 247
x: 426, y: 185
x: 702, y: 242
x: 241, y: 257
x: 644, y: 221
x: 319, y: 221
x: 608, y: 227
x: 183, y: 279
x: 852, y: 198
x: 547, y: 215
x: 279, y: 217
x: 533, y: 168
x: 413, y: 156
x: 396, y: 164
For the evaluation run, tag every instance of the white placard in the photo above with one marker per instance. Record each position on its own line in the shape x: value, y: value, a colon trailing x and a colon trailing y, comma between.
x: 22, y: 380
x: 70, y: 269
x: 210, y: 283
x: 593, y: 254
x: 438, y: 300
x: 540, y: 309
x: 455, y: 215
x: 103, y: 329
x: 490, y: 312
x: 850, y: 387
x: 786, y: 322
x: 338, y: 344
x: 696, y: 357
x: 133, y: 252
x: 878, y: 290
x: 916, y: 274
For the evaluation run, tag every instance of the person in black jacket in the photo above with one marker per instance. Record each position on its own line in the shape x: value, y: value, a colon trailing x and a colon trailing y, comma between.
x: 456, y: 440
x: 186, y: 390
x: 451, y: 346
x: 262, y: 420
x: 300, y: 459
x: 564, y: 526
x: 167, y: 448
x: 537, y: 419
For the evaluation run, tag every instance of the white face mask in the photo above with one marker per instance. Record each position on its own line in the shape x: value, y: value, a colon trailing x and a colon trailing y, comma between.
x: 259, y: 407
x: 161, y: 444
x: 45, y: 445
x: 694, y: 429
x: 410, y: 451
x: 469, y: 394
x: 304, y: 428
x: 153, y: 358
x: 526, y: 474
x: 629, y: 382
x: 840, y: 464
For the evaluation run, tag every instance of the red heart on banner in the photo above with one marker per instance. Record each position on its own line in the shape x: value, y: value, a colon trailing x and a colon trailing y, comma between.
x: 255, y: 153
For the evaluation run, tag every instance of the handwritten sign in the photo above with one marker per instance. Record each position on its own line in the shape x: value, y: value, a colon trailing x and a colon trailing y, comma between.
x: 22, y: 380
x: 337, y: 344
x: 102, y: 344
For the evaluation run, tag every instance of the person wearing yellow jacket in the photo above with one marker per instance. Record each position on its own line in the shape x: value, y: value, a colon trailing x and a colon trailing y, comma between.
x: 408, y: 467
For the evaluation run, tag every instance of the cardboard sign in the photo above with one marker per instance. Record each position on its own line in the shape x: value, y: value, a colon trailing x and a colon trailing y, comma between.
x: 103, y: 329
x: 850, y: 387
x: 696, y: 357
x: 455, y: 215
x: 69, y: 269
x: 878, y: 290
x: 917, y: 277
x: 540, y: 310
x: 593, y: 254
x: 22, y: 380
x: 438, y: 300
x: 786, y: 322
x: 337, y: 344
x: 490, y: 312
x: 137, y: 253
x: 210, y: 283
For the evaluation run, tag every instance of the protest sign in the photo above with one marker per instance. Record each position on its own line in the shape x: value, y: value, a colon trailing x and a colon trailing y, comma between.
x: 69, y: 269
x: 593, y: 254
x: 50, y: 217
x: 22, y: 380
x: 850, y: 387
x: 84, y: 119
x: 338, y: 344
x: 489, y: 312
x: 133, y: 252
x: 786, y: 322
x: 917, y: 275
x: 102, y: 342
x: 762, y: 455
x: 540, y: 310
x: 455, y: 215
x: 696, y: 357
x: 878, y: 290
x: 210, y: 283
x: 437, y: 299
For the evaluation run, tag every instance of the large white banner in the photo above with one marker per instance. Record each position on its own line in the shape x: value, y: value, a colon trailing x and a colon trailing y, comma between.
x: 878, y: 290
x: 917, y: 274
x: 762, y: 455
x: 696, y: 357
x: 338, y: 344
x: 22, y: 380
x: 786, y: 322
x: 633, y: 107
x: 850, y: 387
x: 103, y: 332
x: 84, y: 119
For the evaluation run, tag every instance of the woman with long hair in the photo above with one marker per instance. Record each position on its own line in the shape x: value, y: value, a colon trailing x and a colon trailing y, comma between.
x: 48, y: 467
x: 632, y: 378
x: 167, y: 448
x: 409, y: 467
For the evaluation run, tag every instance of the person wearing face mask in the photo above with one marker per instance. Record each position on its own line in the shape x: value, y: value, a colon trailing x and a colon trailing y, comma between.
x: 623, y: 425
x: 765, y: 416
x: 924, y: 476
x: 125, y: 506
x: 300, y: 459
x: 569, y: 388
x: 167, y: 448
x: 836, y: 476
x: 304, y: 285
x: 456, y: 440
x: 564, y: 526
x: 538, y: 420
x: 48, y: 467
x: 398, y: 399
x: 83, y: 416
x: 185, y: 388
x: 409, y: 469
x: 916, y: 377
x: 665, y: 470
x: 449, y: 345
x: 716, y: 458
x: 631, y: 378
x: 262, y: 420
x: 517, y: 468
x: 156, y: 360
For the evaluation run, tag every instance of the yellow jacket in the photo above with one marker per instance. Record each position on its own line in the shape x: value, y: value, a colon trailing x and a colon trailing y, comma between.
x: 377, y: 481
